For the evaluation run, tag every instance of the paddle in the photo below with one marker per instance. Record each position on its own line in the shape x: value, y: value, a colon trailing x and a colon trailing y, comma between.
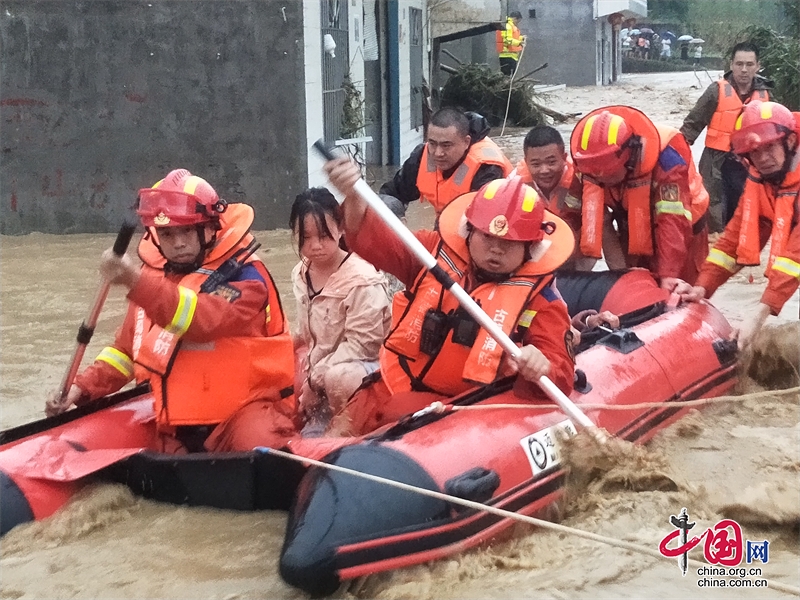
x: 86, y: 330
x: 465, y: 300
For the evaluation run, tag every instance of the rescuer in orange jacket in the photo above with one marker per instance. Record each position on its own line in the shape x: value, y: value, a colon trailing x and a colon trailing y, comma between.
x: 640, y: 177
x: 717, y: 109
x: 208, y: 344
x: 457, y: 158
x: 766, y: 137
x: 502, y: 247
x: 548, y: 167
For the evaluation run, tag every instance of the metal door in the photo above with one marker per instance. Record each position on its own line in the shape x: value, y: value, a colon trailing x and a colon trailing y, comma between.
x: 334, y: 69
x: 415, y: 63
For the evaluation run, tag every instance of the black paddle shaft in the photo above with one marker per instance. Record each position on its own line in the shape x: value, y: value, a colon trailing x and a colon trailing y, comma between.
x: 86, y: 329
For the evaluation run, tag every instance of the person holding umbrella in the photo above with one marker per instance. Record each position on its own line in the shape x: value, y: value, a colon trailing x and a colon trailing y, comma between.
x: 684, y: 40
x: 717, y: 109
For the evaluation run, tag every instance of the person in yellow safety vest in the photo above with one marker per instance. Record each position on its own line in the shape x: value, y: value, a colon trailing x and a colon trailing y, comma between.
x: 457, y: 158
x: 510, y: 43
x: 208, y: 337
x: 766, y: 136
x: 717, y: 109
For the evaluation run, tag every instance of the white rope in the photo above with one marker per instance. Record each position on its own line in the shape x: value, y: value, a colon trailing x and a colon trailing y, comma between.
x: 503, y: 513
x: 511, y: 87
x: 641, y: 405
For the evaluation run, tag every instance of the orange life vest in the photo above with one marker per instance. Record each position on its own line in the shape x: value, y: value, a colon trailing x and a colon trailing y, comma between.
x: 440, y: 192
x: 455, y: 367
x: 729, y: 107
x: 760, y: 200
x: 560, y: 199
x: 204, y: 383
x: 636, y: 200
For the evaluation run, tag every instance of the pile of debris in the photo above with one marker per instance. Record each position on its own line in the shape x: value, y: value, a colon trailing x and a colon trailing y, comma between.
x: 484, y: 90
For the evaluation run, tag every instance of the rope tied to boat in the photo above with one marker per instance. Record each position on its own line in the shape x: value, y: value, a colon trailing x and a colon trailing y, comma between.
x: 503, y: 513
x: 442, y: 408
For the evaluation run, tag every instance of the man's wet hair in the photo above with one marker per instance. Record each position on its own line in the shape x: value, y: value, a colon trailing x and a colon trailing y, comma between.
x: 515, y: 15
x: 543, y: 135
x: 451, y: 117
x: 744, y: 47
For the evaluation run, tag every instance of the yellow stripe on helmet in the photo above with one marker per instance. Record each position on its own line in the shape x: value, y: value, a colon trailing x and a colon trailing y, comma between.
x: 587, y: 130
x: 492, y: 188
x: 766, y: 110
x: 613, y: 129
x: 191, y: 184
x: 738, y: 125
x: 529, y: 201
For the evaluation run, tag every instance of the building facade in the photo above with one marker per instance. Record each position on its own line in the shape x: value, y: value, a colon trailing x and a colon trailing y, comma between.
x: 101, y: 98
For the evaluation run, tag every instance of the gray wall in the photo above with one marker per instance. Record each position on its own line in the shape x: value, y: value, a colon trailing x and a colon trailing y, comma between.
x: 102, y: 97
x: 562, y: 35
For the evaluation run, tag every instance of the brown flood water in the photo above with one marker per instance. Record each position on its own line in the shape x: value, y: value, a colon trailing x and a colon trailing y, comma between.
x: 737, y: 459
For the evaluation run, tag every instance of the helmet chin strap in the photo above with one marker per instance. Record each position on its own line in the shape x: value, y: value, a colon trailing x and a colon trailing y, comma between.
x: 484, y: 276
x: 205, y: 247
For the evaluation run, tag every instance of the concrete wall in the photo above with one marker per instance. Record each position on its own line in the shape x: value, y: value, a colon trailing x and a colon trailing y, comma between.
x: 457, y: 15
x: 563, y: 35
x: 101, y: 98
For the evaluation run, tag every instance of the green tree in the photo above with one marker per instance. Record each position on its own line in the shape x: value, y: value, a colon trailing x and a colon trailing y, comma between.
x: 668, y: 11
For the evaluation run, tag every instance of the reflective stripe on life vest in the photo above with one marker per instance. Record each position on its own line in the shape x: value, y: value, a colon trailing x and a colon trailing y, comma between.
x: 119, y: 360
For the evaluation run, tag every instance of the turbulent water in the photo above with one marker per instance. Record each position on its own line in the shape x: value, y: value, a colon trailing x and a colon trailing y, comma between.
x: 738, y: 459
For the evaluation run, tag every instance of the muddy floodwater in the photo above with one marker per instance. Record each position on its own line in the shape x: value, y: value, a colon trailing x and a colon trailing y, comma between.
x: 738, y: 459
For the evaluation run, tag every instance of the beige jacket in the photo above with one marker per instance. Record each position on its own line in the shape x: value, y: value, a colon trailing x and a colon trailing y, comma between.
x: 346, y: 322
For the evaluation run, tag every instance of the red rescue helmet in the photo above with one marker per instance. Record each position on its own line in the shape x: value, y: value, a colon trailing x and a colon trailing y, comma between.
x: 760, y: 124
x: 178, y: 200
x: 509, y: 209
x: 599, y: 145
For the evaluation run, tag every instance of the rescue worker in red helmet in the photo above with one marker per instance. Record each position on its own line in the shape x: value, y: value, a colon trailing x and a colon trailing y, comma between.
x: 502, y: 247
x: 208, y: 337
x: 641, y: 191
x: 766, y: 137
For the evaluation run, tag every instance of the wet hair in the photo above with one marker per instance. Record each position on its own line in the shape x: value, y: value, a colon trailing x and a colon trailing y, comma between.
x: 543, y: 135
x: 515, y: 15
x: 451, y: 117
x: 744, y: 47
x: 320, y: 203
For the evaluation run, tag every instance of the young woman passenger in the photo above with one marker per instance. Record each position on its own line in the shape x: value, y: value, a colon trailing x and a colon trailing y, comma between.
x: 342, y: 307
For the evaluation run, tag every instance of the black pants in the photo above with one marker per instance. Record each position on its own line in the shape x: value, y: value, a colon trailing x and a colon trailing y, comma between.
x: 734, y: 176
x: 508, y: 65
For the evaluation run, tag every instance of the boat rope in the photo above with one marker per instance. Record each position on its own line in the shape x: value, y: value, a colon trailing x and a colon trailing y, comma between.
x: 503, y: 513
x: 442, y: 408
x: 511, y: 88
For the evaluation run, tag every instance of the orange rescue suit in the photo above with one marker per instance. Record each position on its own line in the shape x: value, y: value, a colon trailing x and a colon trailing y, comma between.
x: 636, y: 200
